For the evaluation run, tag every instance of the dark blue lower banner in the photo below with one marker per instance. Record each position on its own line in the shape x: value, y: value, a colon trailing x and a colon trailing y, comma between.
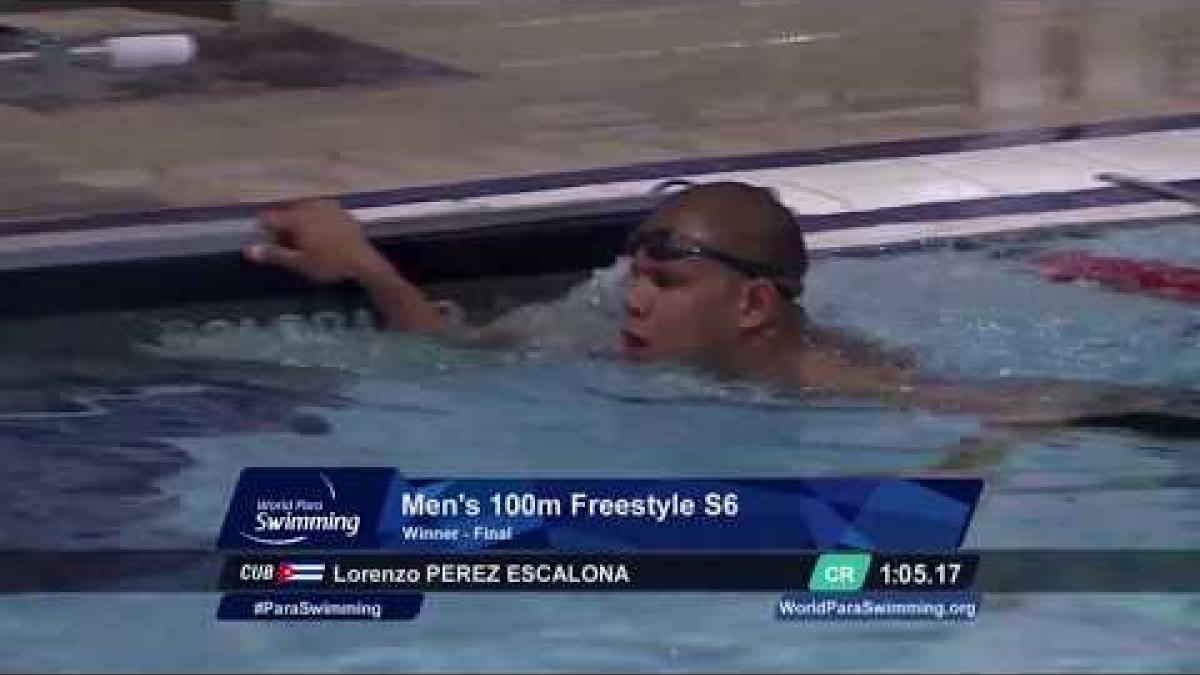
x: 330, y: 509
x: 319, y: 607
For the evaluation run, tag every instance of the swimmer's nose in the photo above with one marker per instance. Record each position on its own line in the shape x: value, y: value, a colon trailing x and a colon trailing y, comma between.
x: 637, y: 298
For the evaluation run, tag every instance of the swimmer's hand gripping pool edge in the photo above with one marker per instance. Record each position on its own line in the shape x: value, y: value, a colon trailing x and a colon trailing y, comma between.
x: 321, y: 242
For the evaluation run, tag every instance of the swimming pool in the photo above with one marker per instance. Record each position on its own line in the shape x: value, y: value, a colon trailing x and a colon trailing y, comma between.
x: 120, y: 446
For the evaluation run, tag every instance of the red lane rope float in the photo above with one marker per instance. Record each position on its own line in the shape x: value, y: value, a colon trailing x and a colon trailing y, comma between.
x: 1151, y: 277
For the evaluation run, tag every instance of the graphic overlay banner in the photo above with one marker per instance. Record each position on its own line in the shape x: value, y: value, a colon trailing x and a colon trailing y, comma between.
x: 306, y: 542
x: 377, y: 509
x: 743, y: 572
x: 998, y: 570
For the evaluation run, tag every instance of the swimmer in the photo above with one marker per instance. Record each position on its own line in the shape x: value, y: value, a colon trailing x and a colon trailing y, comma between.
x: 717, y: 274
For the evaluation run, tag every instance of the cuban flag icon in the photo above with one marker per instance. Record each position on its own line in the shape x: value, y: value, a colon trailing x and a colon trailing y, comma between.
x: 293, y: 572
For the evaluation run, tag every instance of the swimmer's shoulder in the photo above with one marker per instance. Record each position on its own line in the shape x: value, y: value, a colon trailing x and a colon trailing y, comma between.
x: 857, y: 350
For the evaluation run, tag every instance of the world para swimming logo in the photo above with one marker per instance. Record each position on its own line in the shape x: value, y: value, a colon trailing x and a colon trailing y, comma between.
x: 304, y: 508
x: 287, y: 522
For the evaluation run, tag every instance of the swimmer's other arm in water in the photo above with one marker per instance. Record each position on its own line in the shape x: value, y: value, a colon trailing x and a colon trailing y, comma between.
x: 321, y: 242
x: 1030, y: 404
x: 1020, y: 411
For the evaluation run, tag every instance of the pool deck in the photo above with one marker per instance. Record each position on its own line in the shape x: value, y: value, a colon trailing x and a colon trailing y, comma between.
x: 568, y: 85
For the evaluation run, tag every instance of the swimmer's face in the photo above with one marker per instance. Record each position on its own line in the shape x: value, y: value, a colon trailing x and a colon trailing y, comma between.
x: 686, y: 310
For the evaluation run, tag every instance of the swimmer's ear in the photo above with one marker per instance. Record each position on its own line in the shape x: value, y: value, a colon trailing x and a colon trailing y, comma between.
x: 452, y: 313
x: 760, y: 302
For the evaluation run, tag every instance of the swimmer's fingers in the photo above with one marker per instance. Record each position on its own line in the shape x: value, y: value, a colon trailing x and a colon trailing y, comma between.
x: 279, y: 226
x: 317, y: 239
x: 273, y: 254
x: 280, y: 229
x: 275, y: 220
x: 311, y: 224
x: 290, y: 259
x: 281, y: 222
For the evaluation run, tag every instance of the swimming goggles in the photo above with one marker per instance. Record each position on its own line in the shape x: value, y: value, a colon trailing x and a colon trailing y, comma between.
x: 667, y: 245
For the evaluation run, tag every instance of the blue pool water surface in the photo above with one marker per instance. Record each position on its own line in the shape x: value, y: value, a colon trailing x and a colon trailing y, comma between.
x: 110, y: 440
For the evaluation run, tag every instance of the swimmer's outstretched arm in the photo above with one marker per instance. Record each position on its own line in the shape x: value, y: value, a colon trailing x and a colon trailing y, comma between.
x: 1030, y: 405
x: 1015, y: 412
x: 320, y: 241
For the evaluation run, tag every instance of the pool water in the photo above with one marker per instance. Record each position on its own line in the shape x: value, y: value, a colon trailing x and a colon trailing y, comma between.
x: 116, y: 436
